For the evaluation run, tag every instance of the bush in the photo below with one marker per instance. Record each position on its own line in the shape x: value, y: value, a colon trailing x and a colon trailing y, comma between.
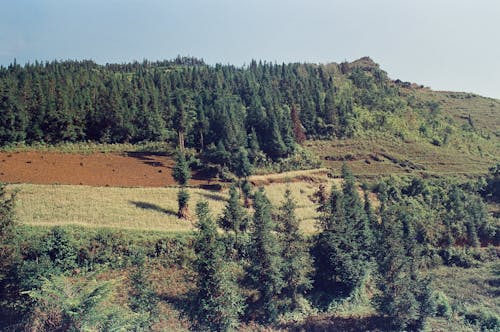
x: 460, y: 257
x: 443, y: 307
x: 484, y: 318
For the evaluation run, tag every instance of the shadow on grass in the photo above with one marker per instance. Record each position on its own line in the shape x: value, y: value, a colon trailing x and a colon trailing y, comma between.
x: 153, y: 207
x: 214, y: 197
x: 185, y: 304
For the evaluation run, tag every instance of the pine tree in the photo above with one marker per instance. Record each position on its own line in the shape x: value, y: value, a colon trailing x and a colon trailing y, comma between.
x: 297, y: 264
x: 341, y: 252
x: 242, y: 166
x: 298, y: 128
x: 219, y: 302
x: 182, y: 174
x: 9, y: 252
x: 265, y: 269
x: 234, y: 217
x: 246, y: 189
x: 354, y: 213
x: 405, y: 295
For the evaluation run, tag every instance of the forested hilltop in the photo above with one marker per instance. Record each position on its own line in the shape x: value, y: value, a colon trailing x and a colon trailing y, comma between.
x: 265, y: 107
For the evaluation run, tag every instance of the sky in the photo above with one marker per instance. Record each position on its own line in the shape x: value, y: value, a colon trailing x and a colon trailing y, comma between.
x: 444, y: 44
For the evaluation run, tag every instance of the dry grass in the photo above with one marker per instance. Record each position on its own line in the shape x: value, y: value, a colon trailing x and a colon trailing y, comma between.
x: 145, y: 209
x: 379, y: 156
x: 123, y: 208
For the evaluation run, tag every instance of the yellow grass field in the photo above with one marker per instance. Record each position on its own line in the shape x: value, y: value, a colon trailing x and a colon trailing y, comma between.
x: 148, y: 209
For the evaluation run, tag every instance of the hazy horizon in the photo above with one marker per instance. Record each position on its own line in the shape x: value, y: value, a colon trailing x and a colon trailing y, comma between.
x: 446, y: 45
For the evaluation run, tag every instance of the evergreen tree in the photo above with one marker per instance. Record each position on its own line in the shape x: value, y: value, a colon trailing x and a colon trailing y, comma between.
x: 242, y: 166
x: 9, y: 253
x: 354, y: 213
x: 341, y: 251
x: 234, y: 217
x: 219, y: 302
x: 297, y: 264
x: 13, y: 119
x: 246, y: 189
x: 405, y: 294
x: 182, y: 174
x: 266, y: 263
x: 298, y: 128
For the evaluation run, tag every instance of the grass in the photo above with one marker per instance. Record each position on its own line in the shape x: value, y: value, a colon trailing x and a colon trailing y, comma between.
x: 135, y: 209
x: 468, y: 290
x: 379, y: 156
x: 89, y: 147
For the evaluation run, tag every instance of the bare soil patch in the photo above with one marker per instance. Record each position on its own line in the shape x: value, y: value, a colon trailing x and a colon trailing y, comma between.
x: 133, y: 169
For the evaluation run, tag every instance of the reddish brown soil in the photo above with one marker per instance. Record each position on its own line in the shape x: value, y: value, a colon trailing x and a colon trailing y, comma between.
x: 134, y: 169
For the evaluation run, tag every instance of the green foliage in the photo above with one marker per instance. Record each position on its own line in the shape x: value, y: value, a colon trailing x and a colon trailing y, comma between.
x: 181, y: 171
x: 266, y: 262
x: 491, y: 190
x: 483, y: 318
x: 242, y: 166
x: 219, y: 303
x: 234, y: 218
x: 342, y: 251
x: 445, y: 212
x: 443, y: 306
x: 9, y: 252
x: 405, y: 296
x: 297, y: 263
x: 64, y: 304
x: 143, y: 298
x: 264, y: 106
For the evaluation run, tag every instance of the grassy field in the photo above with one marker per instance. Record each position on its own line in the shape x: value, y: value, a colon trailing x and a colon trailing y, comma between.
x: 146, y: 209
x: 469, y: 291
x: 379, y: 156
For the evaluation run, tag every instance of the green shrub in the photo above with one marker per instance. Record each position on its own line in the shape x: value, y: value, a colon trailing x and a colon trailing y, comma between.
x: 460, y: 257
x: 443, y: 306
x: 484, y: 318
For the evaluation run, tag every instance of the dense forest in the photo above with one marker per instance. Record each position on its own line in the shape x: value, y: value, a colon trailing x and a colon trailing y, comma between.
x: 265, y: 107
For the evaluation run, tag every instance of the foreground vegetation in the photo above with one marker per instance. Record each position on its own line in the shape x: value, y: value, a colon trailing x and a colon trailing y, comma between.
x: 364, y: 267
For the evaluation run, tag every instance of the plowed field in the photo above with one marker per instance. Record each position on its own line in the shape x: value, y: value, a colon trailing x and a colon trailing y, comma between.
x: 134, y: 169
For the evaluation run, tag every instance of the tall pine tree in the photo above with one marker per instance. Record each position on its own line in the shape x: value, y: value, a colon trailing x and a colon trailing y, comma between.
x: 297, y: 264
x: 266, y: 263
x: 219, y: 303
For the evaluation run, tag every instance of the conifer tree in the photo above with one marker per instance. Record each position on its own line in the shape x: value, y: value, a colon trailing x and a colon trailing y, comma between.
x: 298, y: 128
x: 242, y: 166
x: 9, y: 252
x: 297, y: 264
x: 341, y: 252
x: 219, y: 302
x: 405, y: 295
x: 182, y: 174
x: 246, y: 189
x: 265, y: 269
x: 234, y: 217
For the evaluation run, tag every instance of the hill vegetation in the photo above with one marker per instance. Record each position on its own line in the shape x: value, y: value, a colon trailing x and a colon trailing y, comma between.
x: 265, y: 108
x: 399, y: 233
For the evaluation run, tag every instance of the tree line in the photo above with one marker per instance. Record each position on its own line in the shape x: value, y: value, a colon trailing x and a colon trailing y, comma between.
x: 264, y: 107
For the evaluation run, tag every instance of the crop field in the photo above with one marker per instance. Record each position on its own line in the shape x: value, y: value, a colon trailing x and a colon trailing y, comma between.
x: 145, y: 209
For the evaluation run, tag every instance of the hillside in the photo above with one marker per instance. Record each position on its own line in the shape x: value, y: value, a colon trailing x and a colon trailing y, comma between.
x: 180, y: 196
x: 349, y: 112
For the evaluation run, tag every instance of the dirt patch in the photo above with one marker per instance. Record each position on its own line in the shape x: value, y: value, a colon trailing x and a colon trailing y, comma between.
x: 135, y: 169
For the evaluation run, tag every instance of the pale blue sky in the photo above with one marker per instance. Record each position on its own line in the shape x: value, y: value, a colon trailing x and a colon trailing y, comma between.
x: 444, y: 44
